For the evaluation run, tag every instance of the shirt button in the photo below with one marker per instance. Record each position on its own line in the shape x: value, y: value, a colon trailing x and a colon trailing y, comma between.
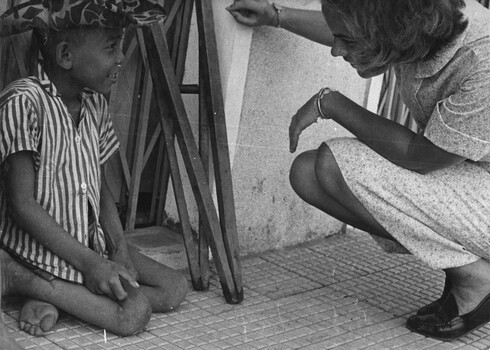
x: 83, y: 186
x: 77, y: 139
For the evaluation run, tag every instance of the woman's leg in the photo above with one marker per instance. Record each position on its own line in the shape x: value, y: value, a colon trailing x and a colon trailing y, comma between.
x: 465, y: 309
x: 165, y: 288
x: 316, y: 178
x: 470, y: 284
x: 122, y: 318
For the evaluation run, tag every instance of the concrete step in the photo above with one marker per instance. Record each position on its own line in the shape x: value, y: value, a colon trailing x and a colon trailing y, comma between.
x: 160, y: 243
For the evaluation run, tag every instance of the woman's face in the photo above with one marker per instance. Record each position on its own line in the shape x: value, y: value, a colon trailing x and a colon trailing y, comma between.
x: 346, y: 46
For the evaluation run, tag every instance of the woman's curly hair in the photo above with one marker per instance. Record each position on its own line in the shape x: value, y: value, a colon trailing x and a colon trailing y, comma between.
x: 401, y: 31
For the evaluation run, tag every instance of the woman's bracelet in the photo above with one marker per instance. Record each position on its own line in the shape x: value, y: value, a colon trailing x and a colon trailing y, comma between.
x: 278, y: 9
x: 324, y: 91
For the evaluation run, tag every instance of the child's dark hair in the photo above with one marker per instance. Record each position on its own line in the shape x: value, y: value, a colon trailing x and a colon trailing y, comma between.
x: 401, y: 31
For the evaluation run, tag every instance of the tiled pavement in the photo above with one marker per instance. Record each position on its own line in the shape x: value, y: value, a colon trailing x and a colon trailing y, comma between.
x: 341, y: 292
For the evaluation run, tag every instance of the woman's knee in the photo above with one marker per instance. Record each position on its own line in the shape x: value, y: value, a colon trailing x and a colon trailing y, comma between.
x: 302, y: 171
x: 327, y: 170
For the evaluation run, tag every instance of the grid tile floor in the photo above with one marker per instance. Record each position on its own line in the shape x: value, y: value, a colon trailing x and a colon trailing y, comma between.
x: 342, y: 292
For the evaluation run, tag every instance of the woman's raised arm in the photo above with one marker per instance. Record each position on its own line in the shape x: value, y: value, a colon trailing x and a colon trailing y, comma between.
x: 306, y: 23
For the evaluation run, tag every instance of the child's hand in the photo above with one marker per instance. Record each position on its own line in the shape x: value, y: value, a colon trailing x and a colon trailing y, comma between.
x: 104, y: 277
x: 121, y: 256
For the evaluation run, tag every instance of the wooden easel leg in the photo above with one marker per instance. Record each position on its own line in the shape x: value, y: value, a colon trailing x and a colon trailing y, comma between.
x: 143, y: 109
x: 165, y: 83
x: 213, y: 101
x: 204, y: 151
x: 176, y: 177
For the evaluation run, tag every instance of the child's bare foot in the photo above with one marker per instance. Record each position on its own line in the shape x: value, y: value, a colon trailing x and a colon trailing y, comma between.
x: 37, y: 317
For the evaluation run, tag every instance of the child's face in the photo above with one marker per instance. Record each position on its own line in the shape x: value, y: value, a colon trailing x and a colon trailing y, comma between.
x: 97, y: 59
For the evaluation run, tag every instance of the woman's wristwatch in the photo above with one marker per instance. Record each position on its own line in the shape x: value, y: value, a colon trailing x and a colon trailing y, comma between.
x: 324, y: 91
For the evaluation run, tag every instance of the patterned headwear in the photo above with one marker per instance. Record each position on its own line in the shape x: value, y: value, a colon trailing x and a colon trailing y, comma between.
x: 63, y: 14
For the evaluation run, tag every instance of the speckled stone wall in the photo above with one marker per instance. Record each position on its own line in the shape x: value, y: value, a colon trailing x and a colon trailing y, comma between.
x: 284, y: 72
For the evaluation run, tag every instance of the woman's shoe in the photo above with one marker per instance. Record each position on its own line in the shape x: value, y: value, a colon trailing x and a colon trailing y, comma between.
x: 433, y: 307
x: 446, y: 324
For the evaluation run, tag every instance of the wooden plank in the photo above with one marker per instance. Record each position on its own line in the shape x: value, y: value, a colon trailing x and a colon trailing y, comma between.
x: 183, y: 40
x: 165, y: 177
x: 172, y: 14
x: 130, y: 155
x: 168, y: 133
x: 156, y: 180
x: 165, y: 83
x: 190, y: 247
x: 125, y: 156
x: 181, y: 36
x: 209, y: 63
x: 152, y: 143
x: 124, y: 167
x: 139, y: 149
x: 204, y: 152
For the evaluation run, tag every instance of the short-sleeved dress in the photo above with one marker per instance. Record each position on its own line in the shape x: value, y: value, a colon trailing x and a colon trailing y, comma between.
x: 442, y: 218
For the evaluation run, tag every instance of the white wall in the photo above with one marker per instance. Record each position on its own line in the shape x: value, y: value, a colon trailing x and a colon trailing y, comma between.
x: 267, y: 75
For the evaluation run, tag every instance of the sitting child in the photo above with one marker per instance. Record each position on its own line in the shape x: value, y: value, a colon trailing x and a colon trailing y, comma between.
x: 58, y: 220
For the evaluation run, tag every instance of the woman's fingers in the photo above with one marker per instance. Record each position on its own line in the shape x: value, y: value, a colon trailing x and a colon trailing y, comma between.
x: 294, y: 132
x: 303, y: 118
x: 251, y: 13
x: 244, y: 5
x: 244, y: 18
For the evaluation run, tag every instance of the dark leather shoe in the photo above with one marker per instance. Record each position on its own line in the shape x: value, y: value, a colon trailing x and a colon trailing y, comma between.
x: 433, y: 307
x: 446, y: 324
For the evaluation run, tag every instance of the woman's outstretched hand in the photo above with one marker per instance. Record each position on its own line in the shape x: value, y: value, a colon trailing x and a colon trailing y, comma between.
x: 253, y: 13
x: 304, y: 117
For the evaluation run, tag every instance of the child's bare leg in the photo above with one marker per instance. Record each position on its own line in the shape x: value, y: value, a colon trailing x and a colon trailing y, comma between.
x: 164, y: 287
x: 6, y: 340
x: 37, y: 317
x: 121, y: 318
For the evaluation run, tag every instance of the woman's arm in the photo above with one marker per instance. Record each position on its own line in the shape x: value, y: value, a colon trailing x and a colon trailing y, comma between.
x: 306, y: 23
x: 391, y: 140
x: 101, y: 276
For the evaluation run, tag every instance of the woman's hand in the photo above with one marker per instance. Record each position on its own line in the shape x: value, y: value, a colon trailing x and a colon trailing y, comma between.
x: 253, y: 13
x: 104, y: 277
x: 304, y: 117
